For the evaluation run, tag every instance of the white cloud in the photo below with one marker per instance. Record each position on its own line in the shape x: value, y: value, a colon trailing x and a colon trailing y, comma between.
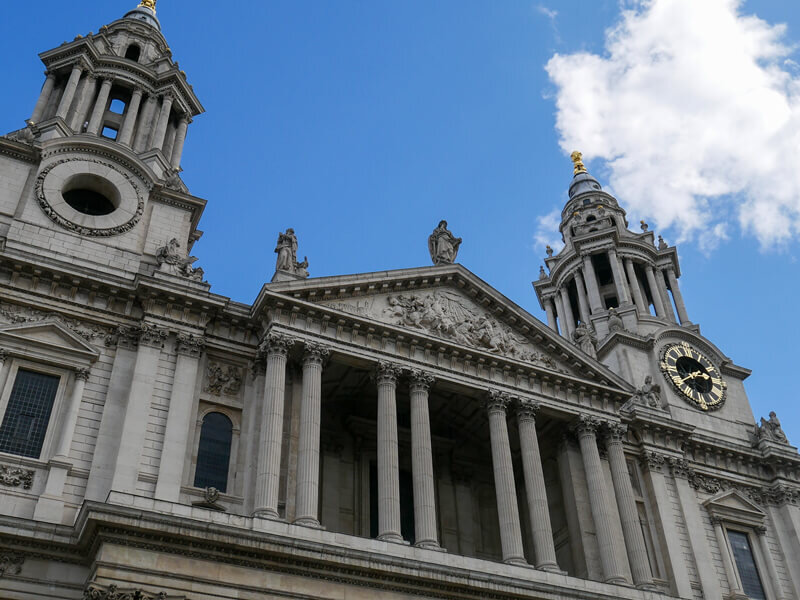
x: 547, y: 233
x: 695, y: 109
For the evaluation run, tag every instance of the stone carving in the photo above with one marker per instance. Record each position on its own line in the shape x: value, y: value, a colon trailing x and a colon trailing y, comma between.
x: 652, y: 461
x: 210, y: 500
x: 95, y: 591
x: 585, y: 339
x: 647, y: 395
x: 542, y: 273
x: 445, y: 315
x: 643, y: 225
x: 662, y: 245
x: 286, y: 250
x: 54, y: 216
x: 548, y: 250
x: 497, y: 400
x: 275, y: 343
x: 387, y: 373
x: 443, y: 245
x: 173, y: 181
x: 770, y: 430
x: 586, y: 425
x: 24, y: 135
x: 171, y: 260
x: 614, y: 321
x: 16, y: 477
x: 190, y: 345
x: 11, y: 563
x: 223, y: 379
x: 12, y: 313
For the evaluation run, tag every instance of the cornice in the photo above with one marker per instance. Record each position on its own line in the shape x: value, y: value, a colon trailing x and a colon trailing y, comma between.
x: 19, y: 151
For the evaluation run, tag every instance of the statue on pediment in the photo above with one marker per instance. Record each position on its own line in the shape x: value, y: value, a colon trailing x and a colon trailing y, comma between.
x: 443, y: 245
x: 586, y: 339
x: 286, y: 249
x: 771, y: 430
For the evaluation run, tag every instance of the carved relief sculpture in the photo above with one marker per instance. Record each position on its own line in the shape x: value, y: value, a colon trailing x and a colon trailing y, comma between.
x: 16, y: 477
x: 286, y: 249
x: 443, y: 245
x: 171, y: 260
x: 223, y: 379
x: 586, y: 339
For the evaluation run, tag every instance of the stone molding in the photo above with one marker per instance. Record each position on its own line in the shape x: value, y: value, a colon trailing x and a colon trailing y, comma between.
x: 95, y: 591
x: 190, y: 345
x: 11, y: 476
x: 14, y: 313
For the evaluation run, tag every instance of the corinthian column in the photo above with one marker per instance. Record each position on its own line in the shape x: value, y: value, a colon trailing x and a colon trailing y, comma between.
x: 626, y: 503
x: 69, y: 92
x: 655, y: 292
x: 635, y: 289
x: 422, y: 462
x: 276, y: 347
x: 99, y: 108
x: 126, y: 133
x: 591, y: 285
x: 676, y: 294
x: 188, y: 348
x: 586, y: 427
x: 44, y: 97
x: 180, y: 139
x: 619, y: 277
x: 163, y: 120
x: 307, y: 511
x: 539, y: 514
x: 583, y: 302
x: 388, y: 460
x: 505, y: 488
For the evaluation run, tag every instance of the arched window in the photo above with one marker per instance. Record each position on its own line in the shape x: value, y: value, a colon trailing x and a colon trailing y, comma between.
x: 133, y: 52
x: 214, y: 452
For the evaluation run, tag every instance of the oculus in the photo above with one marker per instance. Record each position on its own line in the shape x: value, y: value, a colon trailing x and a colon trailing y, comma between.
x: 693, y: 376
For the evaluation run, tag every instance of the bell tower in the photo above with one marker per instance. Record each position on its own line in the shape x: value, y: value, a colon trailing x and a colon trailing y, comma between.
x: 605, y: 272
x: 95, y: 174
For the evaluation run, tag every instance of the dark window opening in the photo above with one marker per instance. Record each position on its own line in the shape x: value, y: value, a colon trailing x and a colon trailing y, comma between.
x: 572, y: 293
x: 587, y: 202
x: 110, y: 133
x: 117, y: 106
x: 89, y: 202
x: 603, y: 269
x: 746, y: 565
x: 611, y: 302
x: 133, y: 52
x: 591, y: 218
x: 28, y: 413
x: 214, y: 452
x: 406, y: 504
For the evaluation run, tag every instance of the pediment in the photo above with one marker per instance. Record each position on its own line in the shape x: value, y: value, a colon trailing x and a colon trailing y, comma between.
x: 451, y: 304
x: 48, y: 336
x: 732, y: 505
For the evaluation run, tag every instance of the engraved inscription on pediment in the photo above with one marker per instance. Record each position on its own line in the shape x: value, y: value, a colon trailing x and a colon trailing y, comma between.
x: 449, y: 315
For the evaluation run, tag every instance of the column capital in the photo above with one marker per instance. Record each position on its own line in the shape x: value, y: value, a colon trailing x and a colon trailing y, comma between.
x: 275, y: 343
x: 190, y: 345
x: 106, y: 79
x: 615, y: 432
x: 652, y: 461
x: 680, y: 468
x: 586, y: 425
x: 4, y: 354
x: 167, y: 97
x: 497, y: 401
x: 715, y: 520
x: 527, y: 410
x: 421, y: 380
x: 387, y: 372
x: 138, y: 89
x: 152, y: 335
x: 82, y: 374
x: 760, y: 530
x: 314, y: 353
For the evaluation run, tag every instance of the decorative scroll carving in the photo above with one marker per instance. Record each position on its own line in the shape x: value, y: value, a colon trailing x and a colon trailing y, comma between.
x: 527, y: 410
x: 497, y: 400
x: 13, y: 313
x: 680, y: 468
x: 95, y: 591
x: 171, y: 260
x: 443, y: 245
x: 190, y: 345
x: 16, y: 477
x: 315, y: 353
x: 152, y: 335
x: 445, y: 315
x: 652, y: 461
x: 275, y: 343
x: 586, y: 424
x: 615, y: 432
x: 770, y: 430
x: 223, y: 379
x: 11, y: 563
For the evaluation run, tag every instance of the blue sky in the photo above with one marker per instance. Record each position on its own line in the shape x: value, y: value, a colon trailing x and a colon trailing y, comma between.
x: 363, y: 123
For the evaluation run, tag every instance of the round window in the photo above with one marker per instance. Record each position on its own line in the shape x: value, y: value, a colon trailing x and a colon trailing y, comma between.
x: 90, y: 194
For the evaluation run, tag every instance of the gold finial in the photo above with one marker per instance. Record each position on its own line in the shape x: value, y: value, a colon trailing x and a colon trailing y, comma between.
x: 151, y: 4
x: 576, y: 160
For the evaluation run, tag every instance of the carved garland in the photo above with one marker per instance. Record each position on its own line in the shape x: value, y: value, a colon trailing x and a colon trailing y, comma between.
x: 16, y: 477
x: 88, y: 231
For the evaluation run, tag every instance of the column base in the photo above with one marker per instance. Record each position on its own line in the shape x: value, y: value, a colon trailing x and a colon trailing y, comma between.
x: 617, y: 580
x: 516, y: 560
x: 394, y: 538
x: 650, y: 587
x: 430, y: 545
x: 267, y: 513
x: 308, y: 522
x: 551, y: 568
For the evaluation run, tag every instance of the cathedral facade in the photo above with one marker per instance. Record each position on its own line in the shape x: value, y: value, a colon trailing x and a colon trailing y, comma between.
x: 392, y: 435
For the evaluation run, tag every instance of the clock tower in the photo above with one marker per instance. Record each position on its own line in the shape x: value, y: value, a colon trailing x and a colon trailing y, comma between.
x: 615, y: 293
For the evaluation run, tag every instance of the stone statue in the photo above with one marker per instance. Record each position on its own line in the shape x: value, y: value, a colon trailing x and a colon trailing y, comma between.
x: 770, y: 430
x: 286, y: 249
x: 542, y: 273
x: 442, y: 245
x: 643, y: 225
x: 586, y: 339
x: 662, y: 245
x: 549, y: 250
x: 171, y: 260
x: 647, y: 395
x: 614, y: 322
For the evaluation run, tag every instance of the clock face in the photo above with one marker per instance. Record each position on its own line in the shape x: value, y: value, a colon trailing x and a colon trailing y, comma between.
x: 694, y: 376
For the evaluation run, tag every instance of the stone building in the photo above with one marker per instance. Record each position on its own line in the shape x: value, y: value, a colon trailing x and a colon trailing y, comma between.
x: 403, y: 434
